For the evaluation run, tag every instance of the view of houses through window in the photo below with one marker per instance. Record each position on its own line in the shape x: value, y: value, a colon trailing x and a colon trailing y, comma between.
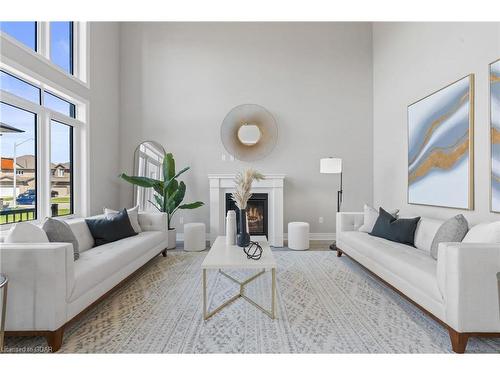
x: 19, y: 138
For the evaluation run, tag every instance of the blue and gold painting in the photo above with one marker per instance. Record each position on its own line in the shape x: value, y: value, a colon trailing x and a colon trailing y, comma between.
x: 440, y: 147
x: 495, y: 134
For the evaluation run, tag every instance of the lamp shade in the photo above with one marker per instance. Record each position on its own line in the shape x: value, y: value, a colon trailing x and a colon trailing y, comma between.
x: 330, y: 165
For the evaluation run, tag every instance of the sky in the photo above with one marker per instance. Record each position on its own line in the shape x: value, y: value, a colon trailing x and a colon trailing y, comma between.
x: 25, y: 32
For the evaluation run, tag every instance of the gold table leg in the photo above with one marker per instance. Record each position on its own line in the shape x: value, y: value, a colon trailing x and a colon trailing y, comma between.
x: 4, y: 313
x: 242, y: 284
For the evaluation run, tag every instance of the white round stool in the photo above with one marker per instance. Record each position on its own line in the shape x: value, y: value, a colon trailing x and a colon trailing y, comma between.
x: 194, y: 237
x: 298, y: 236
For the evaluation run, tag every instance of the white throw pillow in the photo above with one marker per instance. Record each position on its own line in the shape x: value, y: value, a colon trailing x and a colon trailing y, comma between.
x: 133, y: 215
x: 484, y: 233
x: 26, y: 233
x: 371, y: 216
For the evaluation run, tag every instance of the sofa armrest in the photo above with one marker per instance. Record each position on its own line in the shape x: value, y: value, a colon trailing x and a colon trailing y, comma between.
x: 467, y: 279
x: 153, y: 221
x: 348, y: 221
x: 41, y: 278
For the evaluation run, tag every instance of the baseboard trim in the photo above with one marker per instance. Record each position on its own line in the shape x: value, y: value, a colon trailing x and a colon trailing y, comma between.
x: 312, y: 236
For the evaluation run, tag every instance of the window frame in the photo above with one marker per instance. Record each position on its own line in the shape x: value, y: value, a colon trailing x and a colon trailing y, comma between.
x: 79, y: 144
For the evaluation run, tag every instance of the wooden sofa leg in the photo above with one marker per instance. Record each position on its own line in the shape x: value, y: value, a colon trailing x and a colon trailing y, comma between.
x: 164, y: 253
x: 458, y: 341
x: 55, y: 339
x: 339, y: 253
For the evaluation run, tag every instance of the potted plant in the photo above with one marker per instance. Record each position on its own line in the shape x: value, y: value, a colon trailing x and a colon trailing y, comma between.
x: 243, y: 182
x: 169, y: 193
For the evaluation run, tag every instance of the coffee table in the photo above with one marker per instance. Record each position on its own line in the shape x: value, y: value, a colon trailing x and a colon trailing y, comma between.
x: 222, y: 256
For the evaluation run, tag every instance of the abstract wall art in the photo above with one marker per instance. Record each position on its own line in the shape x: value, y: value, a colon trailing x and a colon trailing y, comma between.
x: 495, y: 134
x: 441, y: 147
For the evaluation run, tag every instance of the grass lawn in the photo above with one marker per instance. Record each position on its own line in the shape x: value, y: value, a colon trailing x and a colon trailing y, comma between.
x: 59, y: 200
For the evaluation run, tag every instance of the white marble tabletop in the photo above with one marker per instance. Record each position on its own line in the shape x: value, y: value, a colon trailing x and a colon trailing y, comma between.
x: 223, y: 256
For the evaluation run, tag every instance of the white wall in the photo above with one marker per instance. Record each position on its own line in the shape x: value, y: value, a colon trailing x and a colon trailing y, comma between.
x: 179, y: 80
x: 104, y: 115
x: 411, y: 60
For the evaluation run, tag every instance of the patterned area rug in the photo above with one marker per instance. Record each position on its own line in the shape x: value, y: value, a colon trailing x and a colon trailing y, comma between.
x: 325, y: 304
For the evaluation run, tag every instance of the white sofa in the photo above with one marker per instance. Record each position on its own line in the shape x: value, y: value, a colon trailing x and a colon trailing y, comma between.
x: 47, y: 288
x: 459, y: 290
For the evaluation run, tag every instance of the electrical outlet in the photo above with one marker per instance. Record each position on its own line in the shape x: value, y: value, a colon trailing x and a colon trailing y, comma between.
x: 321, y: 220
x: 181, y: 220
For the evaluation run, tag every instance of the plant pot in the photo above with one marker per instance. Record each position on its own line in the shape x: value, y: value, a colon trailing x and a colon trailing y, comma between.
x: 172, y: 241
x: 243, y: 238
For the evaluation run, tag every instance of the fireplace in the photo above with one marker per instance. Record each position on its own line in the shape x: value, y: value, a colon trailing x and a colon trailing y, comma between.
x: 257, y: 213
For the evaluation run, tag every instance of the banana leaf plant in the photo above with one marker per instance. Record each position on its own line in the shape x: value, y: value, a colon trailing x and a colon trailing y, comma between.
x: 169, y: 192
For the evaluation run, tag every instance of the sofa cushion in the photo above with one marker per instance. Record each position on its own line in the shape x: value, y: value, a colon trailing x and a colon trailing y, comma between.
x: 410, y: 264
x: 452, y: 230
x: 484, y: 233
x: 370, y: 216
x: 111, y: 228
x: 82, y: 234
x: 60, y: 231
x: 133, y: 215
x: 398, y: 230
x: 26, y: 233
x: 425, y: 233
x: 98, y: 263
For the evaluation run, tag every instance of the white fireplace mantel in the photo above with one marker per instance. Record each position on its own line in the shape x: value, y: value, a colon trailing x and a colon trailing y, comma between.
x: 220, y: 184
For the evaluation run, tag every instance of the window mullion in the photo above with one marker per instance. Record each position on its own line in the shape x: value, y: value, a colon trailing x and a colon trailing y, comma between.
x: 43, y: 42
x: 43, y: 163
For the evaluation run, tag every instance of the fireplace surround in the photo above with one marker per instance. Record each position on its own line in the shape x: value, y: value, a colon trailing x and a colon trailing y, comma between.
x: 272, y: 185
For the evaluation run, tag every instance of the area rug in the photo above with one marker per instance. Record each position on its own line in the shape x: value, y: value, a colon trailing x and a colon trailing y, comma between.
x: 325, y: 304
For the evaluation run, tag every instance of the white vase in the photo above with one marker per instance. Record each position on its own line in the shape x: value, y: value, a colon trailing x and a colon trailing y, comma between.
x: 231, y: 228
x: 172, y: 233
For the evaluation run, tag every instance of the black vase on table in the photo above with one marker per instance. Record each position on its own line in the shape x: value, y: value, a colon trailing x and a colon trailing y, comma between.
x: 243, y: 238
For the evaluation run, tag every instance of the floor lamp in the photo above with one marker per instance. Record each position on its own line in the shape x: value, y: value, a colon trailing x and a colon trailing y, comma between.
x: 333, y: 166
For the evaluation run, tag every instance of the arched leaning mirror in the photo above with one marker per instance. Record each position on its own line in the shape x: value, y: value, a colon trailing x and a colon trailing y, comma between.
x: 148, y: 162
x: 249, y: 132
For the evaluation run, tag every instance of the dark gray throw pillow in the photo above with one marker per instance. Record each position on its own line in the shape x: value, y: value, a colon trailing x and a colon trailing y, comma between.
x: 452, y: 230
x: 60, y: 231
x: 397, y: 230
x: 111, y: 228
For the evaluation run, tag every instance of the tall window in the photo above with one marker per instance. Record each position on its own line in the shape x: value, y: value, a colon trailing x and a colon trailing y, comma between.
x: 30, y: 115
x: 61, y: 45
x: 18, y: 174
x: 24, y: 32
x: 61, y: 161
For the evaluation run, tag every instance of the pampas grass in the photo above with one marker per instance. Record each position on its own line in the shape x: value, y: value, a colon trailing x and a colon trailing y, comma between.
x: 243, y: 182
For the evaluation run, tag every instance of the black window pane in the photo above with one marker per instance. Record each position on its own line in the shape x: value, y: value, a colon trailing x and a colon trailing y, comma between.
x: 18, y: 194
x: 61, y: 45
x: 61, y: 168
x: 57, y: 104
x: 24, y: 32
x: 18, y: 87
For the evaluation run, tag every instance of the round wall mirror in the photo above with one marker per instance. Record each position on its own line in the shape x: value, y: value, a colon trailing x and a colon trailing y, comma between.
x: 148, y: 162
x: 249, y: 132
